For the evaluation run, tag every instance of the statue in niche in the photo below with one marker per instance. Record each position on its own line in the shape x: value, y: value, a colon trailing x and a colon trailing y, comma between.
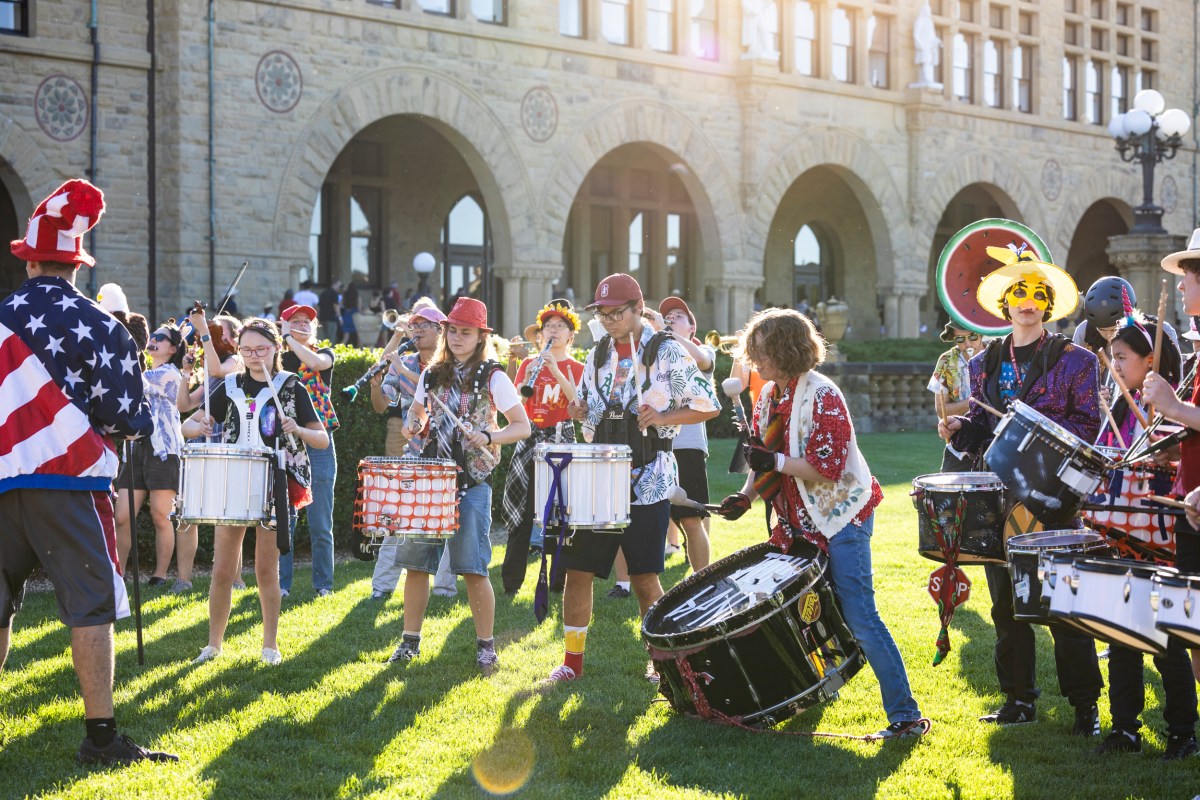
x: 760, y: 24
x: 928, y: 49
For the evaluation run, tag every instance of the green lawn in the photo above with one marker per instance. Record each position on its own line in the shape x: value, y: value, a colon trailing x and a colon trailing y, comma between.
x: 335, y: 721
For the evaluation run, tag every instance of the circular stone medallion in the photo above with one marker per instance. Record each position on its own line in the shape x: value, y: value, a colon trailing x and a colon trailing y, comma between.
x: 61, y: 108
x: 539, y: 114
x: 278, y: 81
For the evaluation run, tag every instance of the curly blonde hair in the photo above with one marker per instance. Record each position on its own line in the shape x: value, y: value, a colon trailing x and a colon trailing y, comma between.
x: 786, y: 337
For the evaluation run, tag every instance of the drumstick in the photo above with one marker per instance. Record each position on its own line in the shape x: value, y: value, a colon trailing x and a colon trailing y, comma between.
x: 939, y: 402
x: 1137, y: 412
x: 1169, y: 502
x: 637, y: 381
x: 1113, y: 423
x: 274, y: 394
x: 461, y: 425
x: 1158, y: 335
x: 986, y: 407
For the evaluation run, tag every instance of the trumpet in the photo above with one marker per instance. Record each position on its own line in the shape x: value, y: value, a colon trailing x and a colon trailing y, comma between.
x: 351, y: 392
x: 390, y: 318
x: 535, y: 370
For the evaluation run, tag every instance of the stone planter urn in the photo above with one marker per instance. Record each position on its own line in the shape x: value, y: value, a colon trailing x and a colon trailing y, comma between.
x: 368, y: 326
x: 835, y: 316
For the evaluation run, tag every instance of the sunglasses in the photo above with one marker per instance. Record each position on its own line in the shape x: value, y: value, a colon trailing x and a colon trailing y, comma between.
x: 970, y: 337
x: 160, y: 337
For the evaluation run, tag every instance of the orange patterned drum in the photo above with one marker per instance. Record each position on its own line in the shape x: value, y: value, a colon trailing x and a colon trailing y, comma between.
x: 408, y: 497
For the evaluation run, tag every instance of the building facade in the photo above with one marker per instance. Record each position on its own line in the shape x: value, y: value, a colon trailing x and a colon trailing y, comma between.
x: 738, y: 154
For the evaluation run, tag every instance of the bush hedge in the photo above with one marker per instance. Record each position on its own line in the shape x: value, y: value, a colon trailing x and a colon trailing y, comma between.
x: 362, y: 433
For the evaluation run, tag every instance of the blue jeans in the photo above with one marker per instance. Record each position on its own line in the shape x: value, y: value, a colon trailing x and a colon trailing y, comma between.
x: 470, y: 547
x: 320, y: 521
x: 850, y: 571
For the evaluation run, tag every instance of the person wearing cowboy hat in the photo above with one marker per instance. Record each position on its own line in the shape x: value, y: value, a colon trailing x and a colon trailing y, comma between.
x: 548, y: 382
x: 466, y: 378
x: 951, y: 384
x: 1059, y: 380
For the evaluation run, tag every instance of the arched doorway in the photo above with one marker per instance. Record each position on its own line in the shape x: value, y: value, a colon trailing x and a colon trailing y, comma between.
x: 398, y: 188
x: 821, y: 246
x: 12, y: 273
x: 633, y: 214
x: 971, y: 204
x: 1087, y: 260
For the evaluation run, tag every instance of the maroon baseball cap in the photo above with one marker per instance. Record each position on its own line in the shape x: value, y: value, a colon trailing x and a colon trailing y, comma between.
x: 676, y: 304
x: 616, y: 290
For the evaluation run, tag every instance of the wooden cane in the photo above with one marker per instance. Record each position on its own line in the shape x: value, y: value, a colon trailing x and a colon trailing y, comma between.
x: 987, y: 408
x: 1137, y: 412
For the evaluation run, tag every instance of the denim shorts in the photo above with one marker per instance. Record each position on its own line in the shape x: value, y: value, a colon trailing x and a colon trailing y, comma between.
x: 470, y: 548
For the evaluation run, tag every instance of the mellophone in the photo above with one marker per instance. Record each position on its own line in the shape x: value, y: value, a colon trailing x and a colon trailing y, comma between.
x: 1113, y: 577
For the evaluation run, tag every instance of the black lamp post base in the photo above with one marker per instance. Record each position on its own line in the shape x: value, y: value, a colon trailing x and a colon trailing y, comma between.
x: 1147, y: 218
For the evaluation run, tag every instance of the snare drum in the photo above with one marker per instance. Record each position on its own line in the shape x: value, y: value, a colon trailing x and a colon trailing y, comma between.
x: 1112, y: 602
x: 1044, y: 465
x: 1138, y: 529
x: 1176, y: 601
x: 982, y: 534
x: 409, y: 497
x: 1024, y: 564
x: 220, y: 484
x: 596, y: 484
x: 757, y: 636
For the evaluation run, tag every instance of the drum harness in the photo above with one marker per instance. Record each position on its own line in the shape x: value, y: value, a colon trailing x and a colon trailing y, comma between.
x: 618, y: 425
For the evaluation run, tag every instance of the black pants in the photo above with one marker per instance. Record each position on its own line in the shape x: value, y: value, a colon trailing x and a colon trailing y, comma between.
x: 1127, y: 689
x: 1075, y: 659
x: 516, y: 555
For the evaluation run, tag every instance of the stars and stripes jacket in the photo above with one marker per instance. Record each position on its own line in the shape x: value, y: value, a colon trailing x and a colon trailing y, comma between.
x: 70, y: 382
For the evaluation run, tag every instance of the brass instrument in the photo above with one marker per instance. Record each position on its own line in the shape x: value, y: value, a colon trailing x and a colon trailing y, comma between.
x: 391, y: 317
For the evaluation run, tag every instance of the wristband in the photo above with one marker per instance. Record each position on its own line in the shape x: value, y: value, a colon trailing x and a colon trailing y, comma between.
x: 205, y: 338
x: 780, y: 458
x: 489, y: 435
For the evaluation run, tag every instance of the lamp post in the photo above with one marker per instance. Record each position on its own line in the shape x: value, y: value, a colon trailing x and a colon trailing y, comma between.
x: 1148, y: 134
x: 423, y: 265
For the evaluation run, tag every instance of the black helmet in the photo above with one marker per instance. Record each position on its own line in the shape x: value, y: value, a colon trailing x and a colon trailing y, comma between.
x: 1103, y: 303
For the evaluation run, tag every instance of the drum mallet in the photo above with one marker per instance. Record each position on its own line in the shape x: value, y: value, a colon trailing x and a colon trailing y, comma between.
x: 460, y: 424
x: 733, y: 388
x: 637, y: 377
x: 678, y: 497
x: 1137, y: 412
x: 987, y: 408
x: 1158, y: 335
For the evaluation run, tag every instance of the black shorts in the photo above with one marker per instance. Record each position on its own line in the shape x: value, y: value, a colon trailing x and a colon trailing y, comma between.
x: 149, y: 471
x: 73, y: 536
x: 643, y: 543
x: 693, y: 479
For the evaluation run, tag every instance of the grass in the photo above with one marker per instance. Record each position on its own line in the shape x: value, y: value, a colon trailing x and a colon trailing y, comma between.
x: 334, y: 721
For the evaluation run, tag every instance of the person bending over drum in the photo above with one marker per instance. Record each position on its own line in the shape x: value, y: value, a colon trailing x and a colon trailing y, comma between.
x: 471, y: 387
x: 246, y: 404
x: 1059, y: 380
x: 815, y: 491
x: 155, y: 461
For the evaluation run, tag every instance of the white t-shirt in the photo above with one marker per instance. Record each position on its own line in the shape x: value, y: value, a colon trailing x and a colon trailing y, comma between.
x: 695, y: 435
x: 306, y: 297
x: 504, y: 393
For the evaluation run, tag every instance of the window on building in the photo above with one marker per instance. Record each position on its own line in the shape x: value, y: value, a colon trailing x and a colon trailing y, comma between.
x: 968, y: 10
x: 964, y: 68
x: 676, y: 254
x: 1093, y: 102
x: 637, y: 242
x: 365, y: 234
x: 1098, y: 9
x: 1123, y: 48
x: 842, y: 66
x: 805, y: 38
x: 494, y: 12
x: 1149, y: 23
x: 570, y: 18
x: 1124, y: 15
x: 1148, y: 50
x: 1070, y: 87
x: 318, y: 269
x: 614, y: 21
x: 1022, y: 65
x: 704, y: 29
x: 1025, y: 23
x: 466, y: 255
x: 1119, y: 89
x: 660, y: 25
x: 997, y: 17
x: 1145, y: 80
x: 993, y: 74
x: 14, y: 17
x: 437, y: 7
x: 879, y: 35
x: 1070, y: 6
x: 809, y: 281
x: 1072, y: 33
x: 1099, y: 39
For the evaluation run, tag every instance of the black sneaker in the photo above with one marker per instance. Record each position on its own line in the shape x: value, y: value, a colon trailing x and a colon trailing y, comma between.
x: 406, y: 651
x: 486, y: 658
x: 156, y: 581
x: 120, y: 750
x: 1179, y: 747
x: 618, y: 593
x: 1087, y: 721
x: 1013, y: 712
x: 897, y: 730
x: 1119, y: 741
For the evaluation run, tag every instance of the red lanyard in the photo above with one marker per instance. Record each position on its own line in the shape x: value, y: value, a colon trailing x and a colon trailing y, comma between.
x: 1018, y: 376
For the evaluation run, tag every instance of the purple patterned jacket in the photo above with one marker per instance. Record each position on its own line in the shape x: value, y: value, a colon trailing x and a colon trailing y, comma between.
x: 1062, y: 383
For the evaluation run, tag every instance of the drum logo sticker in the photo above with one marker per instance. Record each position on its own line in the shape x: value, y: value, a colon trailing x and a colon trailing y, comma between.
x: 1021, y: 589
x: 810, y: 607
x: 408, y: 484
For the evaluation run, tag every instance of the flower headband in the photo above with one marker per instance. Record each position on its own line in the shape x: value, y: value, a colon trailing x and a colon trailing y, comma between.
x: 558, y: 309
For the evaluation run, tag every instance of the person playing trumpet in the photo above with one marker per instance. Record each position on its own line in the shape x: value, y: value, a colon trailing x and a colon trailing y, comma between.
x: 548, y: 383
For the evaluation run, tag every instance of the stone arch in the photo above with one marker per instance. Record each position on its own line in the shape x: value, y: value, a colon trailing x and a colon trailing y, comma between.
x: 1111, y: 182
x: 675, y: 135
x: 456, y: 112
x: 977, y: 168
x: 856, y: 163
x: 24, y: 169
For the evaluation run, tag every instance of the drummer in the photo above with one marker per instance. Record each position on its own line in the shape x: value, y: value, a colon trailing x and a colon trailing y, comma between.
x: 1133, y: 356
x: 824, y: 494
x: 466, y: 379
x: 951, y: 383
x: 1059, y: 380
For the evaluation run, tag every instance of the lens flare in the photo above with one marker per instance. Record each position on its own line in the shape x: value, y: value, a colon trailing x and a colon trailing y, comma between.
x: 506, y: 766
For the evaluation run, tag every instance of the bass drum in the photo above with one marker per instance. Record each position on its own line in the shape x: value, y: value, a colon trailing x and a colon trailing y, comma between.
x: 756, y: 637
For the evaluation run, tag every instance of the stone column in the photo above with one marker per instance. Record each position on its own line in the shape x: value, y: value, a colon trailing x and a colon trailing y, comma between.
x: 510, y: 309
x: 1138, y: 257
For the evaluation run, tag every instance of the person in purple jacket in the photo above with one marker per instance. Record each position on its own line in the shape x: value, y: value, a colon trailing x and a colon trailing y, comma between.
x: 1059, y: 380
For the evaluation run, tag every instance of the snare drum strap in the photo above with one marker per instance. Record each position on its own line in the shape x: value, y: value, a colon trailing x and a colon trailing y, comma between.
x: 554, y: 513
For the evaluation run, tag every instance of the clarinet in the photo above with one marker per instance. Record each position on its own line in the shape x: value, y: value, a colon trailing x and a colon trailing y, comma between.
x: 351, y: 392
x: 534, y: 371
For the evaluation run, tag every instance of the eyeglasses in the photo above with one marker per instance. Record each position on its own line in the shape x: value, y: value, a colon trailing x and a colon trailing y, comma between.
x: 611, y: 316
x: 256, y: 351
x: 423, y: 326
x: 971, y: 337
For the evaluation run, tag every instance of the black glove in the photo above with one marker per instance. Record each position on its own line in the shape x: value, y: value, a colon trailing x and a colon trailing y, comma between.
x: 733, y: 506
x: 758, y: 456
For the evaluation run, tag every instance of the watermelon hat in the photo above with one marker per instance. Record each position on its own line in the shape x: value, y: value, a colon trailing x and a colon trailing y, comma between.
x: 1020, y: 264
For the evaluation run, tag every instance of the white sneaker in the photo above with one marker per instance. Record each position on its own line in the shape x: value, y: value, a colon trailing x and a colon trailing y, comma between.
x: 271, y: 657
x: 207, y: 654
